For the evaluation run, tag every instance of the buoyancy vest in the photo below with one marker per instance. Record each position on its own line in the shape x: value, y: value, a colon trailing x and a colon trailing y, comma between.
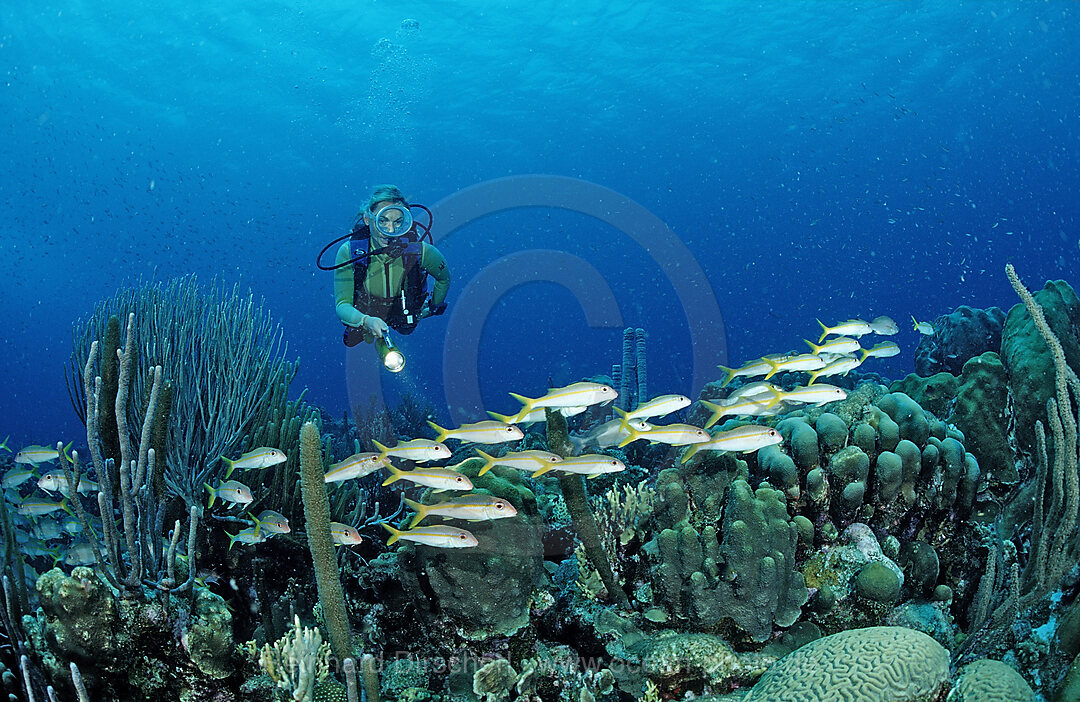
x: 400, y: 311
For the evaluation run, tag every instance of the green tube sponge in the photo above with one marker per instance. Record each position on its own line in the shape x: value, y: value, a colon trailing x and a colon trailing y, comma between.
x: 779, y: 466
x: 888, y: 430
x: 911, y: 462
x: 912, y: 420
x: 321, y: 543
x: 865, y: 437
x: 888, y: 473
x: 831, y: 431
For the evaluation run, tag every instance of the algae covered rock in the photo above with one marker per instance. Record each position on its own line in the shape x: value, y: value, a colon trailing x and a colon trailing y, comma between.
x: 961, y: 335
x: 990, y: 681
x: 859, y: 665
x: 695, y: 661
x: 979, y: 412
x: 877, y: 582
x: 208, y: 641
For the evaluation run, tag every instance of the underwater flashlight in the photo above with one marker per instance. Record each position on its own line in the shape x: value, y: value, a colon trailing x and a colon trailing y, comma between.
x: 392, y: 357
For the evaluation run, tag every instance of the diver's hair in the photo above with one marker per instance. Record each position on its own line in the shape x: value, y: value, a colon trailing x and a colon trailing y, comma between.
x: 386, y: 193
x: 382, y: 193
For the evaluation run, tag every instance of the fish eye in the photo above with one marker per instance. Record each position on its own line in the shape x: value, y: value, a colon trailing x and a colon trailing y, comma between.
x: 498, y: 505
x: 457, y: 479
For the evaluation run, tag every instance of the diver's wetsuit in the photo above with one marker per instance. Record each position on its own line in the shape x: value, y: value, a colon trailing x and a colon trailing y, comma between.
x: 382, y: 284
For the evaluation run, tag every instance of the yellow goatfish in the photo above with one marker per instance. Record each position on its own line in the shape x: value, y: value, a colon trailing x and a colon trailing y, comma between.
x: 811, y: 394
x: 17, y: 476
x: 750, y: 391
x: 883, y: 350
x: 606, y: 435
x: 355, y: 466
x: 752, y: 407
x: 537, y: 415
x: 230, y: 491
x: 473, y: 508
x: 262, y: 457
x: 884, y: 326
x: 251, y: 535
x: 419, y: 450
x: 437, y: 536
x: 271, y: 522
x: 852, y: 327
x: 36, y: 507
x: 56, y: 481
x: 486, y: 432
x: 802, y: 362
x: 839, y: 366
x: 522, y: 460
x: 671, y: 434
x: 583, y: 394
x: 345, y: 535
x: 839, y: 345
x: 659, y: 406
x: 39, y: 454
x: 589, y: 464
x: 749, y: 370
x: 744, y: 439
x: 925, y: 328
x: 437, y: 478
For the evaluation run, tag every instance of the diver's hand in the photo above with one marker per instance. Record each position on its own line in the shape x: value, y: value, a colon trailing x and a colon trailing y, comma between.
x: 374, y: 325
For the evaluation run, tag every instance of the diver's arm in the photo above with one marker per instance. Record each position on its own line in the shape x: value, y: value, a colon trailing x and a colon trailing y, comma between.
x: 432, y: 261
x: 343, y: 290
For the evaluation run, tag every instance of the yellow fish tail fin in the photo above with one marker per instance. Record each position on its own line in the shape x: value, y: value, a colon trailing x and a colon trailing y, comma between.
x: 396, y: 474
x: 729, y: 375
x: 439, y: 431
x: 541, y: 471
x: 231, y: 464
x: 420, y: 509
x: 504, y: 418
x: 688, y: 453
x: 863, y: 355
x: 3, y: 444
x: 824, y: 331
x: 777, y: 397
x: 622, y: 413
x: 65, y: 454
x: 717, y: 412
x: 633, y: 436
x: 395, y: 534
x: 814, y: 347
x: 64, y: 506
x: 383, y: 450
x: 774, y: 368
x: 527, y: 404
x: 813, y: 376
x: 914, y: 323
x: 232, y: 539
x: 489, y: 462
x: 213, y: 495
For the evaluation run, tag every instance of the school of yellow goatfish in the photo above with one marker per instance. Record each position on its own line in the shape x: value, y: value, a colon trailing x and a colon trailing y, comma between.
x: 837, y: 352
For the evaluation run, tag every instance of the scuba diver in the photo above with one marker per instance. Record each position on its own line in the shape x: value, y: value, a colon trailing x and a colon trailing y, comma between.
x: 380, y: 274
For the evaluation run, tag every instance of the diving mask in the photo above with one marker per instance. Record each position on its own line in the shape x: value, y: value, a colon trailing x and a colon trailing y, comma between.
x: 392, y: 221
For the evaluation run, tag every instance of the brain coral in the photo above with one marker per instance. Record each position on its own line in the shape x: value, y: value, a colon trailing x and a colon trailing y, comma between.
x: 876, y: 664
x: 990, y: 681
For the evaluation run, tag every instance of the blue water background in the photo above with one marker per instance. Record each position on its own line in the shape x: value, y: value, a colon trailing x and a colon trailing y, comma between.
x: 818, y: 159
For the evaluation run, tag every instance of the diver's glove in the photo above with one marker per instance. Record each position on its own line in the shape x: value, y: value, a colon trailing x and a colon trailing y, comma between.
x: 427, y: 310
x: 374, y: 326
